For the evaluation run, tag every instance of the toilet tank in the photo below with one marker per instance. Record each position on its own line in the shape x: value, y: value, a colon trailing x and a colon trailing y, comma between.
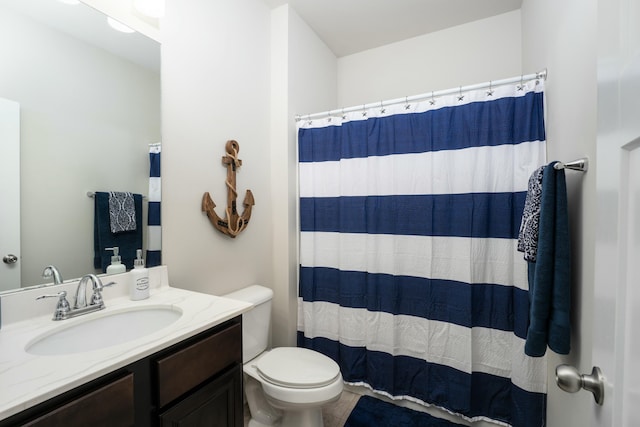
x: 255, y: 322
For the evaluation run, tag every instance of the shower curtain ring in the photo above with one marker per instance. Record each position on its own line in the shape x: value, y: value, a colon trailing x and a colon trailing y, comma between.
x: 364, y: 110
x: 490, y: 91
x: 406, y: 103
x: 433, y: 100
x: 382, y: 109
x: 460, y: 95
x: 329, y: 116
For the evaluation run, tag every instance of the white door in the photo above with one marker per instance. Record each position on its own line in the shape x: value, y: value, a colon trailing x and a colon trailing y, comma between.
x: 616, y: 339
x: 9, y: 194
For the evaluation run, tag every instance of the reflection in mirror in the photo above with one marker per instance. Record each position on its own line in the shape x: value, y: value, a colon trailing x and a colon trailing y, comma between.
x: 87, y: 115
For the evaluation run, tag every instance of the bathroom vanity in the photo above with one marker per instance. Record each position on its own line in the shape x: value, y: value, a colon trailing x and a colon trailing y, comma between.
x: 188, y: 373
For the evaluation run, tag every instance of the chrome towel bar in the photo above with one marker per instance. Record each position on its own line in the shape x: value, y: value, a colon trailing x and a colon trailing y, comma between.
x: 581, y: 165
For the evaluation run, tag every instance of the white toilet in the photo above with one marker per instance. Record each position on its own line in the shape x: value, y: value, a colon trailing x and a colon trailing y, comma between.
x: 285, y: 386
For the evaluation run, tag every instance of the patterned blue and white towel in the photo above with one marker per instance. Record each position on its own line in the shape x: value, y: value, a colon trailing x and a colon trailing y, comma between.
x: 122, y: 212
x: 528, y: 236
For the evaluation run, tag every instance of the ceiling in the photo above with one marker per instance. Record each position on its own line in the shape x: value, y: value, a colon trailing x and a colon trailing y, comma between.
x: 89, y: 25
x: 351, y: 26
x: 346, y: 26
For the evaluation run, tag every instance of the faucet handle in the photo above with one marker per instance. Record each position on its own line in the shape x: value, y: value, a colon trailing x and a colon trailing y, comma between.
x: 96, y: 298
x: 62, y: 308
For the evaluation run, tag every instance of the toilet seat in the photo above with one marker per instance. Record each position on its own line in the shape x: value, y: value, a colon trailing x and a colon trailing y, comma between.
x: 296, y: 367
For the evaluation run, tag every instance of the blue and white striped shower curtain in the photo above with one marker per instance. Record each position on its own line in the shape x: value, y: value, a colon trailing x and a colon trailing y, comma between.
x: 154, y: 230
x: 409, y: 274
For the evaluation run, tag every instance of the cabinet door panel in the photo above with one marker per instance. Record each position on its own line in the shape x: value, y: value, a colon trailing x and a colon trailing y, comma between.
x: 108, y: 406
x: 217, y: 404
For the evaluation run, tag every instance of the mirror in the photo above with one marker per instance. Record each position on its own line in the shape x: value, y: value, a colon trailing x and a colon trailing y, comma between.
x: 89, y: 108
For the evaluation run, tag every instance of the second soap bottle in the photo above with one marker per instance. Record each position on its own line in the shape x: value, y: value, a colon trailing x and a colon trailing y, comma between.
x: 139, y: 276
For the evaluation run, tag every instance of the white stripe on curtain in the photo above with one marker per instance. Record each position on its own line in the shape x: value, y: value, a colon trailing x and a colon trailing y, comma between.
x: 447, y: 172
x: 409, y: 274
x: 418, y: 256
x: 446, y: 344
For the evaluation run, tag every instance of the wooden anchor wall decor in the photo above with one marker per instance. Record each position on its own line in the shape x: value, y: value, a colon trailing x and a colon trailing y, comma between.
x: 233, y: 223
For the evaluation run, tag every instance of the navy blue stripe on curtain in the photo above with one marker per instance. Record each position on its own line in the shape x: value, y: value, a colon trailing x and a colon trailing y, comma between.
x: 476, y: 395
x: 487, y: 215
x: 154, y: 213
x: 469, y: 305
x: 477, y: 124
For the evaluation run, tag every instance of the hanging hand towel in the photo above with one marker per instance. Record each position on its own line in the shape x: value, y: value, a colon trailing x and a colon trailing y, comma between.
x: 550, y: 274
x: 122, y: 212
x: 127, y: 241
x: 528, y: 236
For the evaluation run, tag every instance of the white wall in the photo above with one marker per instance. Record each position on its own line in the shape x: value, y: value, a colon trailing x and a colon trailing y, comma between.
x: 86, y: 119
x: 303, y: 79
x: 488, y: 49
x: 561, y: 36
x: 215, y: 87
x: 236, y: 70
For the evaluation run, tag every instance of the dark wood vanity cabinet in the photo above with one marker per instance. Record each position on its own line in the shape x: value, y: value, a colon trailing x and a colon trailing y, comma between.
x: 201, y: 383
x: 195, y: 383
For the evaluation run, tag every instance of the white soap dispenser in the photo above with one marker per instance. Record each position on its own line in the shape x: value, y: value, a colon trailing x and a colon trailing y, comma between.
x: 116, y: 265
x: 139, y: 286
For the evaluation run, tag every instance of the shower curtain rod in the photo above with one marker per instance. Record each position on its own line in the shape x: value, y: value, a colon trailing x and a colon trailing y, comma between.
x: 524, y: 78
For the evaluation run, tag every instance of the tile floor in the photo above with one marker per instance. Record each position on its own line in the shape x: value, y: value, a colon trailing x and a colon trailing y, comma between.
x: 334, y: 415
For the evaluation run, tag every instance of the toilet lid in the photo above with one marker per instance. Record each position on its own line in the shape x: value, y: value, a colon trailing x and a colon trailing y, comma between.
x: 297, y: 368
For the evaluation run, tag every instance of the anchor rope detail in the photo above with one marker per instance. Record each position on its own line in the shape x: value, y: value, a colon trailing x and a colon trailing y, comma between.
x: 233, y: 223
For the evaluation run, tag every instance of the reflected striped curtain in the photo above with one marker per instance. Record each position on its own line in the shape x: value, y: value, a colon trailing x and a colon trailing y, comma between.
x: 154, y: 229
x: 409, y: 274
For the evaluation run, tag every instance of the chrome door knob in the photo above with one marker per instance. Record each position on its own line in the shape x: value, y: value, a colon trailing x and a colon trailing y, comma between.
x: 570, y: 380
x: 10, y: 259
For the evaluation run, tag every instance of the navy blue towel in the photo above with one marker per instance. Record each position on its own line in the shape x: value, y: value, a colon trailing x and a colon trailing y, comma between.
x: 550, y: 274
x: 127, y: 241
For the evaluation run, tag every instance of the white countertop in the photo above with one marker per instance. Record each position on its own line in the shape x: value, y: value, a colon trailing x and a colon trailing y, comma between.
x: 27, y: 380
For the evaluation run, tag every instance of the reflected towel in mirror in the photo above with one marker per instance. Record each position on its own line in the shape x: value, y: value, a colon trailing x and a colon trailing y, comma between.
x: 127, y: 241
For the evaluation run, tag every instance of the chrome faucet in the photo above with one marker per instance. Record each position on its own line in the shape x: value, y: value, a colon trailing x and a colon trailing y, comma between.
x: 96, y: 298
x: 64, y: 310
x: 51, y: 271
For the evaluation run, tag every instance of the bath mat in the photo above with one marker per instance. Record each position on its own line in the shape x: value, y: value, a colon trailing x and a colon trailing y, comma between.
x: 370, y: 411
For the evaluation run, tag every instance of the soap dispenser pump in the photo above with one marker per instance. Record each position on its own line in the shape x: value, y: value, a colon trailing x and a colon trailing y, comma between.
x: 116, y: 265
x: 139, y: 286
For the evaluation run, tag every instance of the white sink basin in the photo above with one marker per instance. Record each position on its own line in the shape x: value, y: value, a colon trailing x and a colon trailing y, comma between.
x: 103, y: 329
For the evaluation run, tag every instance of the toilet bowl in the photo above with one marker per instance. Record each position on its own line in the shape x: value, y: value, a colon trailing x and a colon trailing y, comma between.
x: 284, y: 386
x: 295, y: 381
